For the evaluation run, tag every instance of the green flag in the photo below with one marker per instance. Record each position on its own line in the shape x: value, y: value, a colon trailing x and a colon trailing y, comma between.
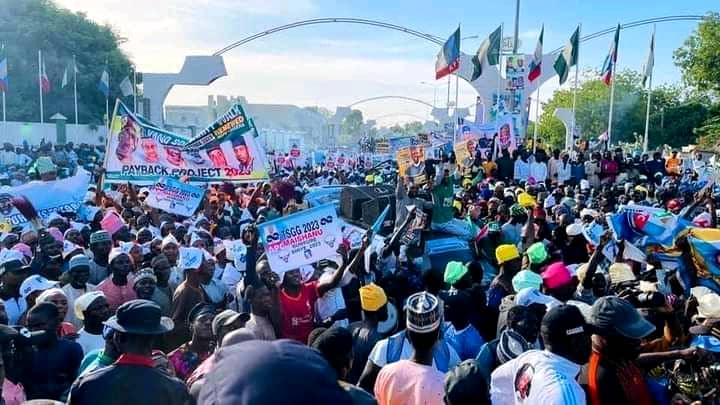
x: 569, y: 56
x: 489, y: 51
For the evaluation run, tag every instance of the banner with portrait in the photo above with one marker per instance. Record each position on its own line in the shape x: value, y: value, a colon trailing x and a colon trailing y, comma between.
x: 140, y: 152
x: 175, y: 197
x: 302, y: 238
x: 465, y: 152
x: 48, y: 197
x: 483, y: 135
x: 411, y: 162
x: 506, y: 134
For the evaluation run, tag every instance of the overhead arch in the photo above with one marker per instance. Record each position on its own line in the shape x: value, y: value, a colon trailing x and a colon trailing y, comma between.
x: 379, y: 117
x: 367, y: 100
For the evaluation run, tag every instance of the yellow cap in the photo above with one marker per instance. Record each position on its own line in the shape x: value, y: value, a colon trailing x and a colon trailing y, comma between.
x: 372, y: 297
x: 505, y: 253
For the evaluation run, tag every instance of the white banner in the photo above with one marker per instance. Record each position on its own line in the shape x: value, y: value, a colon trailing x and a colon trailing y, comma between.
x: 302, y: 238
x: 47, y: 197
x: 175, y: 197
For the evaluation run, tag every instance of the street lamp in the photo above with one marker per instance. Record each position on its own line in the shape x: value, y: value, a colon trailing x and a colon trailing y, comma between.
x: 435, y: 87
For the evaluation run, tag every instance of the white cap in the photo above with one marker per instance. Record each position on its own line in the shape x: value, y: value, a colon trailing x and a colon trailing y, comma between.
x: 35, y: 283
x: 573, y: 229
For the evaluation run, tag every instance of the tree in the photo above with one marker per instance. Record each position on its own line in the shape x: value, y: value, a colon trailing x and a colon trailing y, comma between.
x: 673, y: 116
x: 31, y: 25
x: 699, y: 57
x: 351, y: 126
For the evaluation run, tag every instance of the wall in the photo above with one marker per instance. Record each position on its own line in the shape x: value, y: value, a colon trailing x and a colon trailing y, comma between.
x: 33, y: 132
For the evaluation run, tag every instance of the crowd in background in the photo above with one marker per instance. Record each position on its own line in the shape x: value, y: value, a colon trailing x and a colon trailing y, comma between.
x: 129, y: 304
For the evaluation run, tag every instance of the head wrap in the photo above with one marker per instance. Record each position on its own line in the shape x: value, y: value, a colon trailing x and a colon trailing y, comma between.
x: 526, y: 279
x: 537, y: 253
x: 84, y: 301
x: 556, y: 275
x: 505, y: 253
x: 372, y: 297
x: 454, y: 271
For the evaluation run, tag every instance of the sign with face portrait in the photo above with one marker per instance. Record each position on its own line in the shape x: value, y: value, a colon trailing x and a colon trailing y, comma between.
x: 140, y: 152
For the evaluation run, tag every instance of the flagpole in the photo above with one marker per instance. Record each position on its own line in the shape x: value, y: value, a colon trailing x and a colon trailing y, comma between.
x: 75, y: 89
x: 457, y: 89
x: 42, y: 119
x: 568, y: 139
x: 647, y: 116
x: 107, y: 97
x: 498, y: 95
x: 4, y: 117
x: 612, y: 93
x: 134, y: 90
x: 537, y: 119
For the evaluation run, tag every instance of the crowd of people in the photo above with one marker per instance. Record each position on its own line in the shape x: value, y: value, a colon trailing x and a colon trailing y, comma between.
x: 124, y: 303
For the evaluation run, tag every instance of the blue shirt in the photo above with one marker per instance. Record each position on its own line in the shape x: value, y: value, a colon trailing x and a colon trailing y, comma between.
x: 466, y: 342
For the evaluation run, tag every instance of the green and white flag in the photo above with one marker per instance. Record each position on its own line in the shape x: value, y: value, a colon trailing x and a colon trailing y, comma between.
x: 489, y: 51
x: 569, y: 56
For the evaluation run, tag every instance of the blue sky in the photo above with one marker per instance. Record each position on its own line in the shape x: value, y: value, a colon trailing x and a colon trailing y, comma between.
x: 336, y: 64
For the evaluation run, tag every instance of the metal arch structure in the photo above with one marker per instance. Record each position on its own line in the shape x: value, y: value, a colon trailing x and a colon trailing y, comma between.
x: 316, y: 21
x: 367, y: 100
x: 399, y: 115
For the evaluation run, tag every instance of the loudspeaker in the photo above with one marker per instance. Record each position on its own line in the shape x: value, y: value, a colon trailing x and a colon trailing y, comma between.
x: 373, y: 208
x: 353, y: 198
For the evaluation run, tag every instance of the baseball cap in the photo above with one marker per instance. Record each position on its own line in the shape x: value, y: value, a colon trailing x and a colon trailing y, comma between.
x: 34, y: 283
x: 248, y: 373
x: 613, y: 314
x: 561, y: 322
x: 556, y: 275
x: 226, y: 318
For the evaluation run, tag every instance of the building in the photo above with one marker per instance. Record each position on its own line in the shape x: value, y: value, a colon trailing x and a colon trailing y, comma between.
x: 279, y: 125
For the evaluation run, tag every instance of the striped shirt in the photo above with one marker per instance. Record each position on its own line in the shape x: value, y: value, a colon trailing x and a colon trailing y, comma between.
x: 537, y: 377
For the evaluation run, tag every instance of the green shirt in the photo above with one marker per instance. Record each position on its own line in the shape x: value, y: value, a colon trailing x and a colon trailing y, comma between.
x: 443, y: 200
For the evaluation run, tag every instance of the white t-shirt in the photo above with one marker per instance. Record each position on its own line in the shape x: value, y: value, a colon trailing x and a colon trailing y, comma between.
x: 378, y: 355
x: 90, y: 342
x: 537, y: 377
x: 332, y: 301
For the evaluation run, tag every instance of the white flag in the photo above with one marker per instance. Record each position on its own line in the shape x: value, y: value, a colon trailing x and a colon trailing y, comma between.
x: 650, y: 61
x: 126, y: 87
x: 64, y: 79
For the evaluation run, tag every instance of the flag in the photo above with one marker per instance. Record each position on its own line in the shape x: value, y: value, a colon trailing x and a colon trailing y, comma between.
x: 569, y: 56
x: 448, y: 59
x: 705, y: 248
x: 3, y: 70
x: 611, y: 58
x: 104, y: 85
x: 489, y: 51
x: 126, y: 87
x: 650, y: 61
x: 536, y: 62
x: 44, y: 81
x: 646, y: 225
x: 64, y: 79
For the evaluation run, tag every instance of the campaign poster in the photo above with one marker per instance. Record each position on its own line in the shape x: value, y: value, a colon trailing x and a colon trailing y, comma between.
x: 411, y: 161
x: 506, y: 135
x: 141, y: 152
x: 301, y: 238
x: 465, y: 152
x: 48, y: 197
x: 483, y: 134
x: 175, y: 197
